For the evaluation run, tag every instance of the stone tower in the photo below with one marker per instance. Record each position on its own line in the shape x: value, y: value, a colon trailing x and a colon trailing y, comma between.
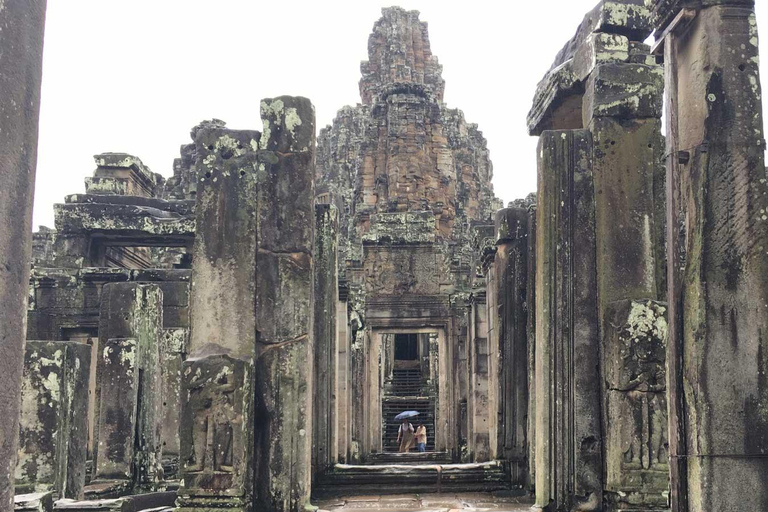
x: 410, y: 177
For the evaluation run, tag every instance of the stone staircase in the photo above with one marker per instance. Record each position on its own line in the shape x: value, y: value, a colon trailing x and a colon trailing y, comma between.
x: 348, y: 480
x: 406, y: 392
x: 392, y: 406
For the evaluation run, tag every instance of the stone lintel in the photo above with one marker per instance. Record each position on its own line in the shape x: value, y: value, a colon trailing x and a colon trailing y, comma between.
x: 179, y: 206
x: 124, y: 221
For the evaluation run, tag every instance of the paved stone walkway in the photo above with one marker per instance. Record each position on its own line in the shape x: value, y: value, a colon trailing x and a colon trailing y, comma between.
x: 447, y: 502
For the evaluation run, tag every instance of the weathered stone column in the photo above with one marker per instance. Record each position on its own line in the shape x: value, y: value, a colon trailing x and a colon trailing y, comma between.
x: 530, y: 299
x: 54, y: 418
x: 284, y: 357
x: 217, y: 378
x: 479, y: 435
x: 21, y: 61
x: 342, y: 375
x: 718, y: 256
x: 511, y: 275
x: 622, y: 110
x: 568, y: 441
x: 326, y: 282
x: 128, y: 447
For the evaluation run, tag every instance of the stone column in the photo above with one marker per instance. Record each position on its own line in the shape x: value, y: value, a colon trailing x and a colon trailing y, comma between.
x: 128, y: 449
x: 718, y: 257
x: 530, y: 299
x: 342, y: 376
x: 284, y: 312
x: 510, y: 271
x: 54, y: 418
x: 479, y: 368
x: 216, y: 438
x: 173, y: 351
x: 326, y: 282
x: 622, y: 110
x: 21, y: 61
x: 568, y: 441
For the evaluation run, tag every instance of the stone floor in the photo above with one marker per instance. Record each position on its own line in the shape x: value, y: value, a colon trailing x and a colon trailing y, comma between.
x: 446, y: 502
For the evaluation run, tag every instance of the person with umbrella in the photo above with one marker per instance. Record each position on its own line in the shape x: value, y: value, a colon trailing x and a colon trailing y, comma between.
x: 405, y: 432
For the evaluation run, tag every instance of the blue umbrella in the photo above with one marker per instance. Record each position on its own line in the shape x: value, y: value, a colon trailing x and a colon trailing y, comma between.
x: 406, y: 414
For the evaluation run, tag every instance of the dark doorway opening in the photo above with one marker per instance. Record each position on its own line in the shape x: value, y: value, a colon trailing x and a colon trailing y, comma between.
x: 406, y: 347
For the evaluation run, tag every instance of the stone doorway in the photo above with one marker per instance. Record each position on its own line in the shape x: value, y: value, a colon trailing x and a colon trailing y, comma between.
x: 407, y: 386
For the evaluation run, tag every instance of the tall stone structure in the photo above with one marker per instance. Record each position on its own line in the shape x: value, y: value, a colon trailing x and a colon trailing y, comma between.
x: 21, y: 59
x: 408, y: 176
x: 601, y: 443
x: 718, y: 293
x: 247, y: 384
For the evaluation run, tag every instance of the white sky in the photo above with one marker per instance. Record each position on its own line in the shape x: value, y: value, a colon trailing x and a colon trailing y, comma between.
x: 135, y: 75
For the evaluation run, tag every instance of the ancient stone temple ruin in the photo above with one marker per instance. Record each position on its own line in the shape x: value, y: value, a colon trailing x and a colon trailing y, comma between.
x: 242, y: 335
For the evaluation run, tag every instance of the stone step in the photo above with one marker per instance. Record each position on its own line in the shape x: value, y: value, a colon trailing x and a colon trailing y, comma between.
x: 405, y: 478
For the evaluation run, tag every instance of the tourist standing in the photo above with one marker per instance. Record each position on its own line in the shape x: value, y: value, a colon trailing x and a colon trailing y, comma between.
x: 405, y: 436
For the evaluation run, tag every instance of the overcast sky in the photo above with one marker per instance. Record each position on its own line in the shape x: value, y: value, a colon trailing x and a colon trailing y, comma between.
x: 135, y: 75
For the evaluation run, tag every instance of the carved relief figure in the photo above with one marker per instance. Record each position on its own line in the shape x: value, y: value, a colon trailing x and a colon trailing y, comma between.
x: 637, y: 385
x: 215, y: 415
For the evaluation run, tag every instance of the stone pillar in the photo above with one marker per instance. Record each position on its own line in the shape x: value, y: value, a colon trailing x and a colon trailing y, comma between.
x: 223, y: 286
x: 173, y: 351
x: 54, y: 418
x: 128, y: 449
x: 510, y: 270
x: 326, y: 282
x: 358, y: 397
x: 480, y: 443
x: 530, y: 299
x: 622, y: 110
x: 718, y: 257
x: 284, y: 313
x: 568, y: 442
x: 252, y: 296
x: 21, y: 59
x: 342, y: 376
x: 216, y: 440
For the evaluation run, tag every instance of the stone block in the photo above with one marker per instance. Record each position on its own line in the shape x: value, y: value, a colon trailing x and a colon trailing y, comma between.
x: 216, y: 431
x: 54, y: 418
x: 286, y: 201
x: 224, y: 254
x: 599, y: 48
x: 283, y: 426
x: 34, y: 502
x: 289, y: 125
x: 129, y: 219
x: 511, y: 224
x: 627, y: 154
x: 401, y: 228
x: 172, y: 353
x: 129, y: 387
x: 284, y: 299
x: 632, y: 18
x: 122, y: 174
x: 627, y: 91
